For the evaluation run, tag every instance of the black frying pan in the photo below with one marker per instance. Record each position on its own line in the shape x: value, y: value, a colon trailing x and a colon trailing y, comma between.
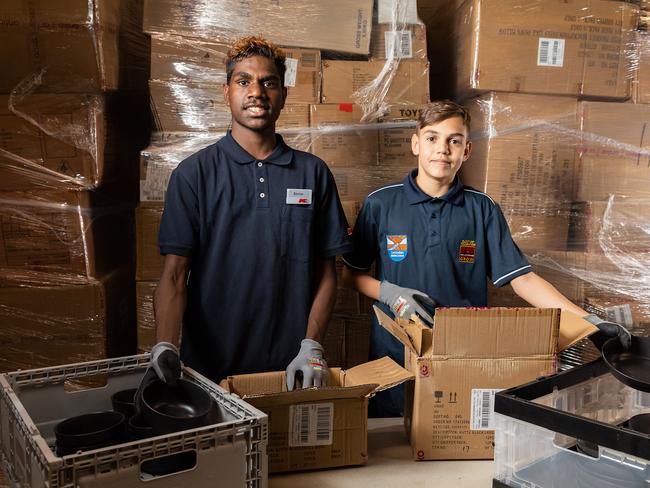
x: 630, y: 366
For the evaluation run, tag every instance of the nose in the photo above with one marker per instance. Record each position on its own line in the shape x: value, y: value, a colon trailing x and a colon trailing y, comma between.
x: 442, y: 146
x: 256, y: 90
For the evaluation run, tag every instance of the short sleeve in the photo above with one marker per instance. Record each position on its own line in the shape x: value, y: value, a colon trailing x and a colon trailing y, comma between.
x: 506, y: 261
x: 364, y: 240
x: 179, y: 225
x: 331, y: 232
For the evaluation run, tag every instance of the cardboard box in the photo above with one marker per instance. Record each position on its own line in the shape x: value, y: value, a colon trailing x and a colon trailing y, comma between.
x: 614, y: 151
x: 406, y: 41
x: 318, y: 427
x: 49, y: 320
x: 395, y: 131
x: 356, y: 183
x: 523, y: 152
x: 469, y: 354
x: 144, y: 291
x: 533, y: 232
x: 149, y: 262
x: 340, y: 139
x: 408, y: 82
x: 195, y: 61
x: 68, y: 140
x: 63, y: 233
x: 74, y: 46
x: 337, y: 25
x: 561, y: 47
x: 641, y: 79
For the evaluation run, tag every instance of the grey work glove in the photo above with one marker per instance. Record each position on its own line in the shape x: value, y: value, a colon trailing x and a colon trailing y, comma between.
x: 166, y: 362
x: 310, y: 363
x: 402, y: 301
x: 611, y: 329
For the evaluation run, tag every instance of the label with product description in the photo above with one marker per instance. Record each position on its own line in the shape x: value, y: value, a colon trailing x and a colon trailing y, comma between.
x: 291, y: 72
x: 399, y: 43
x: 310, y: 424
x: 482, y: 408
x: 620, y: 314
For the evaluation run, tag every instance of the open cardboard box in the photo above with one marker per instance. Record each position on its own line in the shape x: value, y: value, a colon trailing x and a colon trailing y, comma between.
x: 318, y: 427
x: 469, y: 355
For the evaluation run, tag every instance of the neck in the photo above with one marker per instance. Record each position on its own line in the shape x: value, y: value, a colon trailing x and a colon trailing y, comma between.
x: 432, y: 187
x: 257, y: 144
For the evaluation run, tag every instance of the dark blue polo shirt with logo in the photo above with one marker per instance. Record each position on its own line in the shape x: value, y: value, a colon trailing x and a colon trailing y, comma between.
x: 446, y: 247
x: 254, y: 230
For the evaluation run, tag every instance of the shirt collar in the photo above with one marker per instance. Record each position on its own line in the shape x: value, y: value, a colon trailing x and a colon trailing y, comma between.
x: 415, y: 195
x: 281, y: 155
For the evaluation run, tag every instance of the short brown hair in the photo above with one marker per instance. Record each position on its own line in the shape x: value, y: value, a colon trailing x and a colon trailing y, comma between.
x: 254, y: 46
x: 440, y: 110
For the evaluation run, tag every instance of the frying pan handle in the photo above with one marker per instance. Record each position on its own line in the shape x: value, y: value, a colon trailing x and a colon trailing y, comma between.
x: 149, y: 377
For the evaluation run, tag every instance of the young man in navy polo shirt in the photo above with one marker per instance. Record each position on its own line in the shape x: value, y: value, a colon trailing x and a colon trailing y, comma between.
x: 250, y: 231
x: 432, y: 236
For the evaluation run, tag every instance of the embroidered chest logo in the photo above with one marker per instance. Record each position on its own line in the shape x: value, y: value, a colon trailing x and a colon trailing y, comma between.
x: 467, y: 251
x: 397, y: 247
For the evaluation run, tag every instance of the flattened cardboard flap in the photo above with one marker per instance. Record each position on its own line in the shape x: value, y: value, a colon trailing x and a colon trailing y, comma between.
x: 495, y: 332
x: 416, y: 336
x: 384, y: 372
x: 573, y: 329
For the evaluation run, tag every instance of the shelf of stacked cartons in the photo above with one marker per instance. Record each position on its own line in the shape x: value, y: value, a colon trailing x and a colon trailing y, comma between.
x: 557, y: 142
x: 186, y: 76
x: 71, y: 124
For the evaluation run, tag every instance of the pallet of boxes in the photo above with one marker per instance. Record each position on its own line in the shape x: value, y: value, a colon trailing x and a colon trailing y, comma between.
x: 356, y: 74
x: 71, y: 125
x: 557, y: 93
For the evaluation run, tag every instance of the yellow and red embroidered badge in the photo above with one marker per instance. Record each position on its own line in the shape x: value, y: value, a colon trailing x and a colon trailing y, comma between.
x: 467, y: 251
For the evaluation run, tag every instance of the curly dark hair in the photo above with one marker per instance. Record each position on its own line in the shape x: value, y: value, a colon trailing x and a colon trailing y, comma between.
x: 254, y: 46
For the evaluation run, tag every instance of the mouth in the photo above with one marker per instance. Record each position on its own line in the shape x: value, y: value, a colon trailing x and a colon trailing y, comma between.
x: 440, y: 161
x: 256, y: 110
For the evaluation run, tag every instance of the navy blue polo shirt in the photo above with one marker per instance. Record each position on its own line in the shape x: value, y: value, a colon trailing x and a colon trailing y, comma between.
x: 445, y: 247
x: 254, y: 230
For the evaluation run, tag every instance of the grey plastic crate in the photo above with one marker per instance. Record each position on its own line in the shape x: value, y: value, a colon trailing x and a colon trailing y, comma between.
x: 231, y: 451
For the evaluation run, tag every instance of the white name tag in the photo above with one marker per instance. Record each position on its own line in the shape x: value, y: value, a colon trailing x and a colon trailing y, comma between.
x: 298, y: 196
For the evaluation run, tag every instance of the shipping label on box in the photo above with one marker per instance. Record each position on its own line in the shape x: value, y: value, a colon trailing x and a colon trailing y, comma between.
x: 403, y: 41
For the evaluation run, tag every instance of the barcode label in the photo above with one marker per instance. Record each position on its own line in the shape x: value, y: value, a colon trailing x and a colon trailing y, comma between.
x: 550, y: 52
x: 620, y: 314
x: 399, y: 43
x: 292, y: 71
x: 154, y: 185
x: 482, y: 409
x: 310, y: 424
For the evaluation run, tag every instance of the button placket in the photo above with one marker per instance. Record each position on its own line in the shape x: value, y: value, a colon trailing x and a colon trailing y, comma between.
x: 261, y: 185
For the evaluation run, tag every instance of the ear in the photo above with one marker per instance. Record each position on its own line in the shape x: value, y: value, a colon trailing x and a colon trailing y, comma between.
x: 415, y: 145
x: 468, y: 150
x: 226, y: 93
x: 284, y: 95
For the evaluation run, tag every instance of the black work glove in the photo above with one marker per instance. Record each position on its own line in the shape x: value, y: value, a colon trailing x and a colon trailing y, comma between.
x: 166, y: 362
x: 608, y: 330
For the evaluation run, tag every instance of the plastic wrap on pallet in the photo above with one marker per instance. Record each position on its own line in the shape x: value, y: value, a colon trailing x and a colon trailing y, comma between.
x: 580, y: 47
x: 73, y: 46
x: 63, y: 233
x: 50, y: 319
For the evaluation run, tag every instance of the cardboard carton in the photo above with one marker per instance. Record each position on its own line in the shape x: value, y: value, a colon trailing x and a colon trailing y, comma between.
x: 69, y: 140
x: 405, y: 82
x: 406, y: 41
x: 49, y: 320
x: 641, y: 70
x: 614, y: 151
x: 63, y: 233
x: 395, y: 131
x: 459, y: 365
x: 146, y: 324
x: 533, y: 232
x: 318, y: 427
x: 149, y: 262
x: 195, y: 61
x: 561, y: 47
x: 523, y: 152
x: 74, y: 46
x: 340, y: 139
x: 356, y: 183
x: 337, y: 25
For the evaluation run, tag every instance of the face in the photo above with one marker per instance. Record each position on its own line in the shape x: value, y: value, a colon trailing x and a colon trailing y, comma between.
x: 441, y: 149
x: 255, y: 94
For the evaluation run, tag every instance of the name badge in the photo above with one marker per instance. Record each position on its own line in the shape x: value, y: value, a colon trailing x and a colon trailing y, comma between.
x: 298, y: 196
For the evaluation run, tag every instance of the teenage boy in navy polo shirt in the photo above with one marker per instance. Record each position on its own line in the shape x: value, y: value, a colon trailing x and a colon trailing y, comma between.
x: 250, y: 231
x: 432, y: 236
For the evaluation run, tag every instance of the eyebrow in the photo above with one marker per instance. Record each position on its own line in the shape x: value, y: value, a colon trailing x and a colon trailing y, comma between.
x: 244, y: 74
x: 455, y: 134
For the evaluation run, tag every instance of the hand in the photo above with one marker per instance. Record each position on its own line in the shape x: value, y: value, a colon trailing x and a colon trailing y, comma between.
x: 165, y: 362
x: 310, y: 363
x: 611, y: 329
x: 403, y: 302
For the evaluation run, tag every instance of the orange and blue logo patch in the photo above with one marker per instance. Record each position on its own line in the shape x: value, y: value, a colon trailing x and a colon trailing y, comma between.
x: 467, y: 251
x: 397, y: 247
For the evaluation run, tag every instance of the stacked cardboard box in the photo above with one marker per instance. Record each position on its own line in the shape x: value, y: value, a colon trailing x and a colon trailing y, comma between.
x: 71, y: 125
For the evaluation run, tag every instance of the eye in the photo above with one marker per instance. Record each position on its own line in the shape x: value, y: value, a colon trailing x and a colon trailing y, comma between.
x: 242, y: 82
x: 270, y: 83
x: 431, y: 139
x: 455, y: 141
